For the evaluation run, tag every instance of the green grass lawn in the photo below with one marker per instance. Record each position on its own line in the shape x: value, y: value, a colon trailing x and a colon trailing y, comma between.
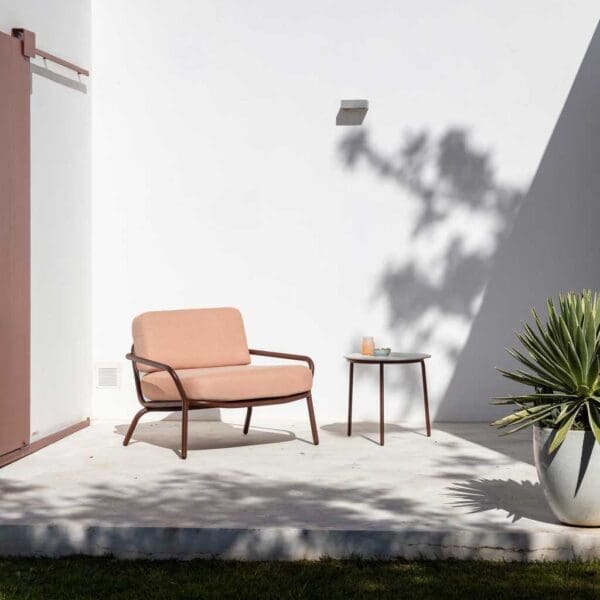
x: 106, y: 578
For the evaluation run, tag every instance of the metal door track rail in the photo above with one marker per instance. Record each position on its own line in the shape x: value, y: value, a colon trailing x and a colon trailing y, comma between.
x: 29, y: 50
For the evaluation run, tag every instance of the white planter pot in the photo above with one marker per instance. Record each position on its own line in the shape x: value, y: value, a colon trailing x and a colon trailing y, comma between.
x: 570, y: 476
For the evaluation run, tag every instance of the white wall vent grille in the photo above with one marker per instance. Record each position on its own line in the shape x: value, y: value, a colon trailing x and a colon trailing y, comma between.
x: 108, y: 376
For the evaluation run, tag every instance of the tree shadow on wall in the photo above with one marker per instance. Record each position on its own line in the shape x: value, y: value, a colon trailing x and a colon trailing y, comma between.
x: 463, y: 213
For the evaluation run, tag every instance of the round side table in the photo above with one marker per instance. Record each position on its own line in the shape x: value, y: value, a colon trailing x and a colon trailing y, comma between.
x: 395, y: 358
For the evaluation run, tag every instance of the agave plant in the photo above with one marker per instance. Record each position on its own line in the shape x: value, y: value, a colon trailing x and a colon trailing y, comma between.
x: 563, y: 366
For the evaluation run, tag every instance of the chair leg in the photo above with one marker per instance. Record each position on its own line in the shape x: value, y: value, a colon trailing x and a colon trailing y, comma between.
x: 184, y: 429
x: 133, y: 425
x: 313, y: 423
x: 247, y: 421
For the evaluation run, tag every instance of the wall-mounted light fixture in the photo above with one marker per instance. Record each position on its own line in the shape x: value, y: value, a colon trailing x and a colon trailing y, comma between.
x: 352, y: 112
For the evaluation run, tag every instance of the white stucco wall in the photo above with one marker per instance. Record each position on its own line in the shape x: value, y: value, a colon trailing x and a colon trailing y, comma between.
x: 61, y: 338
x: 220, y: 178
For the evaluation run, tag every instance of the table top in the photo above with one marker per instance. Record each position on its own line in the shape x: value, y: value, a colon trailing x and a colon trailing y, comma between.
x: 394, y: 357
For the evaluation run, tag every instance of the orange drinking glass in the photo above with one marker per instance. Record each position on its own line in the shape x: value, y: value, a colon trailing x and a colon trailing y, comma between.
x: 368, y: 346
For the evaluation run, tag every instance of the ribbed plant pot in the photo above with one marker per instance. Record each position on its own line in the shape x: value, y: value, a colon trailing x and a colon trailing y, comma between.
x: 570, y: 476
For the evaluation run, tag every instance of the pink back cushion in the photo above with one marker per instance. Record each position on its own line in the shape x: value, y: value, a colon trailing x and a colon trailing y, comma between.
x: 187, y: 339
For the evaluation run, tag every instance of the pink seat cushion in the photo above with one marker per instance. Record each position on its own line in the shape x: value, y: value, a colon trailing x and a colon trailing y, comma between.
x: 245, y: 382
x: 185, y: 339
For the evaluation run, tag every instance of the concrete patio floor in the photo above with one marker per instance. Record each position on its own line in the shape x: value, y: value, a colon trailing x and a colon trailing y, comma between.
x: 463, y: 493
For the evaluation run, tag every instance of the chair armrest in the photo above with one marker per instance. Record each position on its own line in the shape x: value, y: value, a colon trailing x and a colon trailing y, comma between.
x: 306, y: 359
x: 151, y: 363
x: 159, y: 367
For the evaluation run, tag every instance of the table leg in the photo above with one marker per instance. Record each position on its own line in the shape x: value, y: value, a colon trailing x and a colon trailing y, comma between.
x: 381, y: 418
x: 350, y: 385
x: 425, y: 399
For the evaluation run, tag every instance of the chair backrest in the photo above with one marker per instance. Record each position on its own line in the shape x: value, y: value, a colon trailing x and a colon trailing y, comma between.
x: 186, y: 339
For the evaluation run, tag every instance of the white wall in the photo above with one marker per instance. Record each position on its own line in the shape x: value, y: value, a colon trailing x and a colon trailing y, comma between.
x: 219, y: 177
x: 553, y: 246
x: 60, y: 217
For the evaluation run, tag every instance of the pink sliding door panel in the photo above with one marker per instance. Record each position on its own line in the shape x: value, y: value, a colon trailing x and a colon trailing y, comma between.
x: 14, y: 244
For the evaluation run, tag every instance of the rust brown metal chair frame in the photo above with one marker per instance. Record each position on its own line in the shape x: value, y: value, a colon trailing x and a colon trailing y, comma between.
x: 184, y: 404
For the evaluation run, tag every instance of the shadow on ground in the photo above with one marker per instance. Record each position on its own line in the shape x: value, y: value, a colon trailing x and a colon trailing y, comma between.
x: 205, y: 435
x: 425, y: 495
x: 519, y: 499
x: 369, y: 430
x: 517, y: 447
